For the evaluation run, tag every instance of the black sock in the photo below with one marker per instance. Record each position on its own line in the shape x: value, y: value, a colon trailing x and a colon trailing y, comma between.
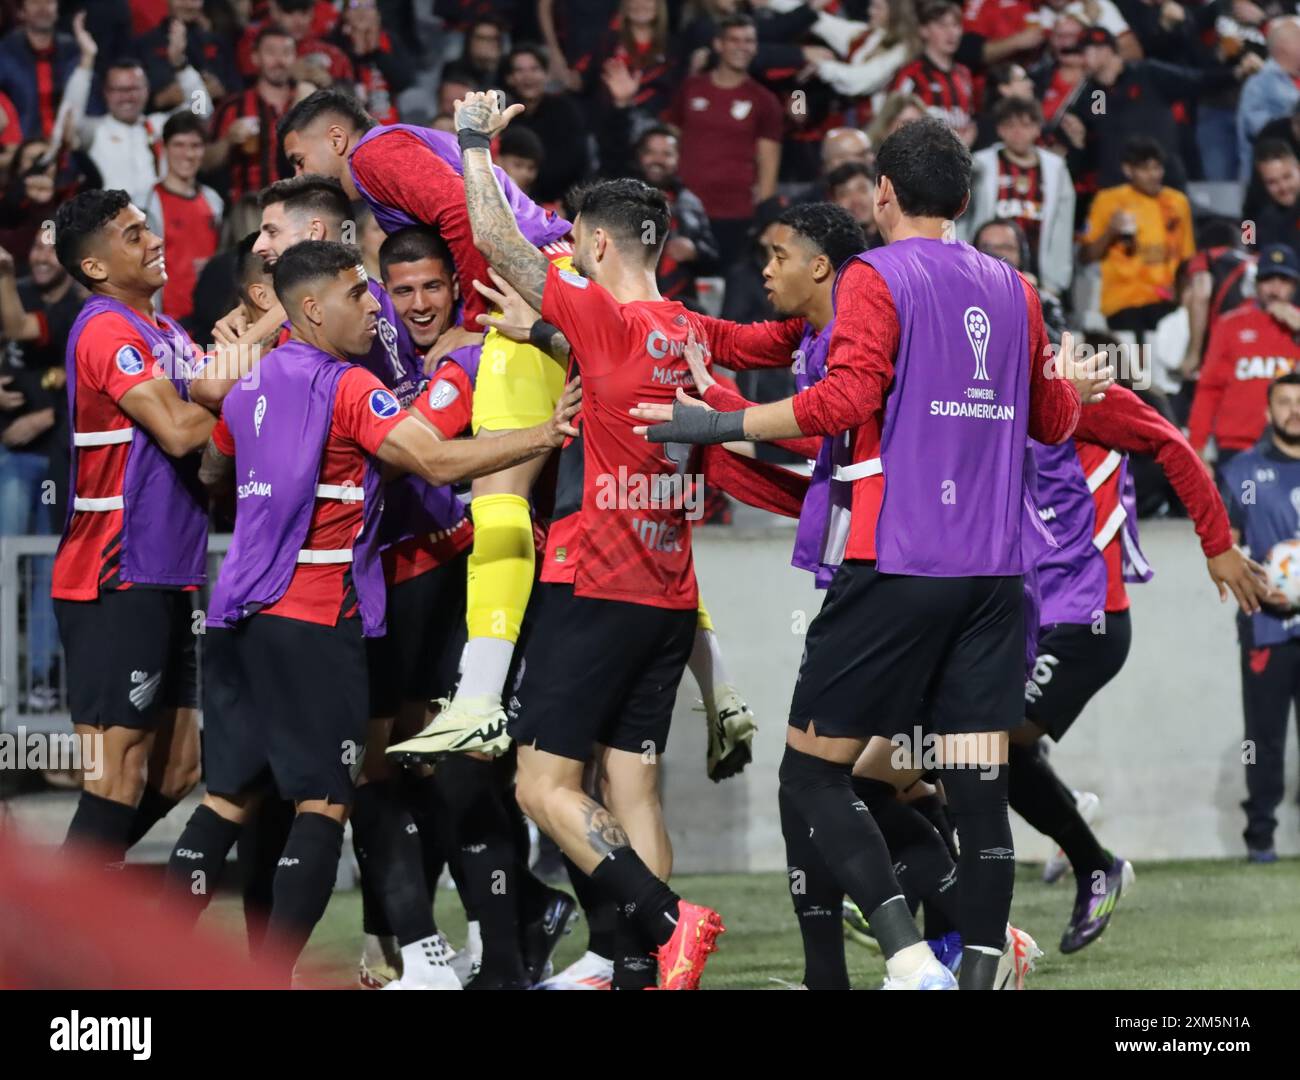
x: 986, y: 869
x: 600, y: 910
x: 818, y: 904
x: 260, y: 843
x: 489, y: 863
x: 978, y: 969
x: 635, y: 966
x: 922, y: 865
x: 304, y: 880
x: 935, y: 811
x: 641, y: 896
x: 154, y: 806
x: 389, y: 855
x: 196, y: 862
x: 1038, y: 795
x: 103, y: 825
x: 423, y: 801
x: 821, y: 793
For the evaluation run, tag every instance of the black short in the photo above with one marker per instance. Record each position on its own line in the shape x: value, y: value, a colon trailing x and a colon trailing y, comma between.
x: 285, y: 700
x: 597, y: 671
x: 1074, y: 662
x: 418, y: 657
x: 884, y: 644
x: 130, y: 655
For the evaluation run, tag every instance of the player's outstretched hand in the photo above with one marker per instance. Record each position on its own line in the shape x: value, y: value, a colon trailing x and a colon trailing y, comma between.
x: 1231, y: 571
x: 516, y: 316
x: 481, y: 111
x: 560, y: 425
x: 1091, y: 376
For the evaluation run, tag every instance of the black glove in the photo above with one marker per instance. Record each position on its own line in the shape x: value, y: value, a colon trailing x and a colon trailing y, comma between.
x: 691, y: 424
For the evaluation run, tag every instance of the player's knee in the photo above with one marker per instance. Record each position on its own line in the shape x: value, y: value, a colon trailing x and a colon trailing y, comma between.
x: 180, y: 780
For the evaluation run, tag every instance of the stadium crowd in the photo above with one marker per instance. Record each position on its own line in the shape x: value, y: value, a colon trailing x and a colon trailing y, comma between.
x: 1138, y: 161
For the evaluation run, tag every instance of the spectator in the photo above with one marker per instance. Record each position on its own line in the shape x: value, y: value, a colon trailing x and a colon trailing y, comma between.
x: 690, y: 251
x: 897, y: 110
x: 892, y: 42
x: 1016, y: 179
x: 1228, y: 30
x: 1287, y: 129
x: 308, y: 22
x: 182, y: 41
x: 1139, y: 99
x: 520, y: 154
x: 1220, y: 278
x: 1061, y: 74
x: 36, y: 188
x: 36, y: 316
x: 556, y: 119
x: 1004, y: 81
x: 844, y: 145
x: 456, y: 82
x: 780, y: 24
x: 944, y: 85
x: 996, y: 32
x: 634, y: 50
x: 125, y: 144
x: 852, y: 185
x: 185, y: 213
x: 1139, y: 232
x: 1248, y: 349
x: 244, y: 125
x: 35, y: 62
x: 381, y: 66
x: 484, y: 48
x: 731, y: 136
x: 1270, y: 93
x: 11, y: 136
x: 572, y: 32
x: 1277, y: 220
x: 1004, y: 239
x: 1089, y: 13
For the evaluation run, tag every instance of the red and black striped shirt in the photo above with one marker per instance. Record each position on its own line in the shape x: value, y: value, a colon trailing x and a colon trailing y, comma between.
x: 948, y: 95
x: 257, y: 163
x: 1020, y: 196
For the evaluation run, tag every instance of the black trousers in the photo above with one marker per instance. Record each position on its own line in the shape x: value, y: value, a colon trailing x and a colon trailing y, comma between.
x: 1270, y: 684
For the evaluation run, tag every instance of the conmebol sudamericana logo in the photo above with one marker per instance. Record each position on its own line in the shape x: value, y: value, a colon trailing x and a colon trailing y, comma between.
x: 977, y: 333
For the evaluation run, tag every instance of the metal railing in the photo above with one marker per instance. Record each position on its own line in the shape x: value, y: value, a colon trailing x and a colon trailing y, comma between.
x: 33, y: 675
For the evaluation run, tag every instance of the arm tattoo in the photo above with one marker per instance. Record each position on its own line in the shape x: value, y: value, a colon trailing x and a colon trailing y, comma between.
x: 215, y: 468
x: 604, y: 834
x: 559, y: 347
x: 496, y: 233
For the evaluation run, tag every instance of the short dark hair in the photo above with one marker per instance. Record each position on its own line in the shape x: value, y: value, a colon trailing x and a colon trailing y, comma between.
x: 411, y: 244
x: 1139, y: 149
x: 829, y: 228
x: 1022, y: 241
x: 929, y: 11
x: 928, y: 166
x: 270, y: 30
x: 79, y: 220
x: 1012, y: 108
x: 521, y: 142
x: 655, y: 131
x: 323, y: 102
x: 737, y: 21
x: 295, y: 5
x: 457, y: 73
x: 309, y: 194
x: 309, y: 261
x: 1291, y: 378
x: 1218, y: 232
x: 849, y: 170
x: 249, y: 268
x: 625, y: 208
x: 184, y: 122
x: 1273, y: 150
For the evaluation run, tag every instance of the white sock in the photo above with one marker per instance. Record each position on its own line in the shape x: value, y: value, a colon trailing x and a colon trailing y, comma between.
x: 706, y: 663
x: 484, y: 668
x: 908, y: 962
x: 474, y: 941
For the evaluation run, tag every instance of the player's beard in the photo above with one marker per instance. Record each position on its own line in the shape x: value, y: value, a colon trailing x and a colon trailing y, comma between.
x: 580, y: 265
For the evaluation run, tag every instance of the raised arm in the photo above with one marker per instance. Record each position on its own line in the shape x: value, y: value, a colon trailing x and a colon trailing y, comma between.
x: 479, y: 119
